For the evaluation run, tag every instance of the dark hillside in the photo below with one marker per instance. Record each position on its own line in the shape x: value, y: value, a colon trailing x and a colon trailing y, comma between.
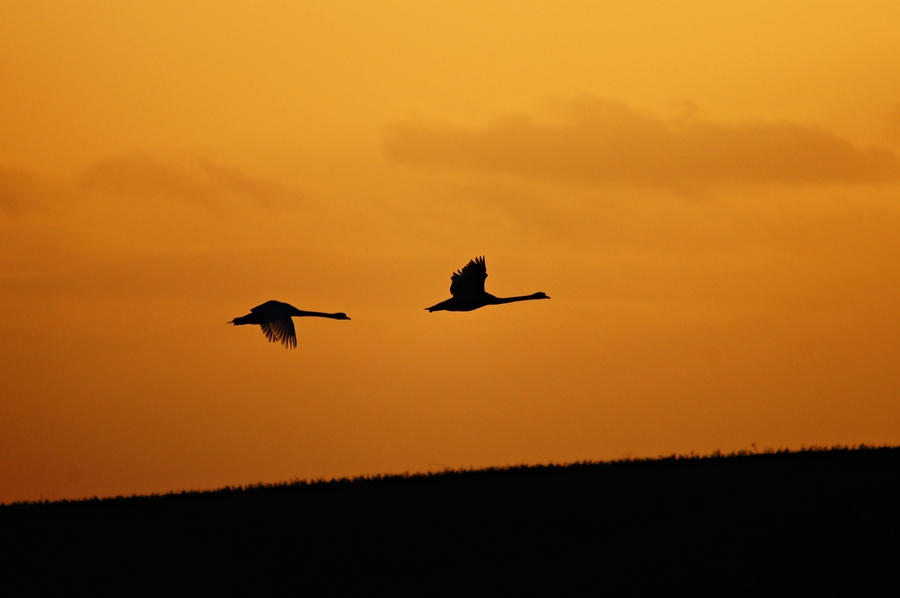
x: 809, y: 522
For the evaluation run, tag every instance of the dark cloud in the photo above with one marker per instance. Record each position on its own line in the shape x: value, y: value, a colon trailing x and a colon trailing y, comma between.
x: 192, y: 178
x: 603, y: 142
x: 19, y: 190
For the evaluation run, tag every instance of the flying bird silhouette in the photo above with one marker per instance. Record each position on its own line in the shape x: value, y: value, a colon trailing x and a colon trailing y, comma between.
x: 467, y: 288
x: 274, y: 317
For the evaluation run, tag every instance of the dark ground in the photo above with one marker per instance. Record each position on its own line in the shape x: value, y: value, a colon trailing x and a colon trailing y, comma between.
x: 819, y: 522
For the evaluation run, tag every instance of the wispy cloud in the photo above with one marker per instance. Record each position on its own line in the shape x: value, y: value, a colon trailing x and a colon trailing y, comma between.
x: 19, y: 190
x: 603, y: 142
x: 190, y: 178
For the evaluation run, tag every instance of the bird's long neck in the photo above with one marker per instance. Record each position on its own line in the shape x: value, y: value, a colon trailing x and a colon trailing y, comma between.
x: 500, y: 300
x: 317, y: 314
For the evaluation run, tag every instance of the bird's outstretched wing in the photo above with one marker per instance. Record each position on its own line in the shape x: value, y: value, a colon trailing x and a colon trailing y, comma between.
x: 470, y: 280
x: 281, y: 331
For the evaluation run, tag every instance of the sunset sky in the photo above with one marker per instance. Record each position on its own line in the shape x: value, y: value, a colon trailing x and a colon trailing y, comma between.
x: 709, y: 192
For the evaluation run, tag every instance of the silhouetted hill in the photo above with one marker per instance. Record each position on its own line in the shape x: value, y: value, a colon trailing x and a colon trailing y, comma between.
x: 800, y: 523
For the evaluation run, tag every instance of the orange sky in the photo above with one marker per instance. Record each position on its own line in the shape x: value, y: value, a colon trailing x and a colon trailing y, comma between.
x: 709, y: 192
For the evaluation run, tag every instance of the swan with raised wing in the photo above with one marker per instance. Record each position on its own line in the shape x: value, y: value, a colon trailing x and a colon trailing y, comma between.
x: 467, y: 288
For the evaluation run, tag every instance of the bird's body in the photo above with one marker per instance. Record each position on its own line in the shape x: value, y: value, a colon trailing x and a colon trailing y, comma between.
x: 274, y: 317
x: 467, y: 288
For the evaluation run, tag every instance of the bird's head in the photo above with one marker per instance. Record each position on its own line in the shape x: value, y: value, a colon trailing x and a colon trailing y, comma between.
x: 341, y: 316
x: 540, y: 296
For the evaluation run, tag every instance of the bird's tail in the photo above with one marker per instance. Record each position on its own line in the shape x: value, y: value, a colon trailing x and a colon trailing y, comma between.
x: 439, y: 306
x: 248, y: 319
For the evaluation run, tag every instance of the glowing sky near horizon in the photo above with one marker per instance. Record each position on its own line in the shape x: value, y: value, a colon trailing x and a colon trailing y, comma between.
x: 709, y: 192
